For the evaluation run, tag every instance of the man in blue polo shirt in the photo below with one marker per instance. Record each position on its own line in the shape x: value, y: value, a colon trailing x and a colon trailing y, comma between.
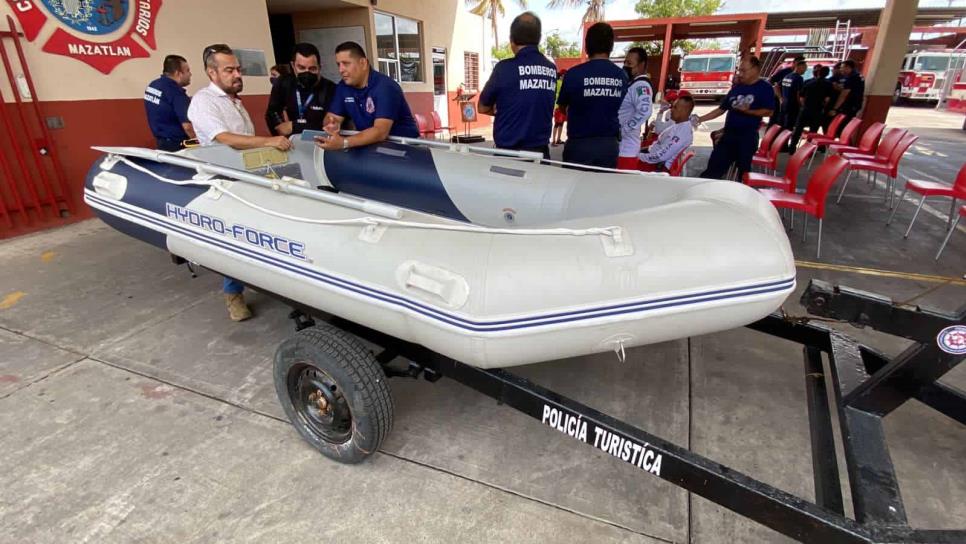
x: 166, y: 105
x: 520, y: 91
x: 591, y: 94
x: 746, y: 103
x: 373, y: 101
x: 851, y: 91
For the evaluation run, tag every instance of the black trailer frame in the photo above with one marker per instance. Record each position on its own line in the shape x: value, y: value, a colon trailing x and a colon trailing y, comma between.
x: 866, y: 385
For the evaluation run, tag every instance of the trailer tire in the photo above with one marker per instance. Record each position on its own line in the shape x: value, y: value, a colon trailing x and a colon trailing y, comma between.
x: 334, y: 392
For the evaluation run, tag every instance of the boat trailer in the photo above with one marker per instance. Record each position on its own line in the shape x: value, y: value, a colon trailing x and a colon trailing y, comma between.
x: 866, y: 387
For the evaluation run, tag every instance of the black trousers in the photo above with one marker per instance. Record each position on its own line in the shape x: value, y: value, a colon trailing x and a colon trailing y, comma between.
x: 811, y: 119
x: 735, y: 147
x: 165, y: 144
x: 598, y: 151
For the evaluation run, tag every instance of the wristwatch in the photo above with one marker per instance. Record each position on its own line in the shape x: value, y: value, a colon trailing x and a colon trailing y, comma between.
x: 345, y: 144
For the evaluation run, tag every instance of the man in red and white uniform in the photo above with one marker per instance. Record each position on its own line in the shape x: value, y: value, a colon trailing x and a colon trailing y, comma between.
x: 635, y: 109
x: 673, y: 140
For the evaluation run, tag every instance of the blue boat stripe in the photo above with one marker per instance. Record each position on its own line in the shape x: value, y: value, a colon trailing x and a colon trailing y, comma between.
x: 518, y: 323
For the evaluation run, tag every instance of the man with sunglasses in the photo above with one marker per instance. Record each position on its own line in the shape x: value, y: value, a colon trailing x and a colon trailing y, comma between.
x: 217, y: 113
x: 219, y: 117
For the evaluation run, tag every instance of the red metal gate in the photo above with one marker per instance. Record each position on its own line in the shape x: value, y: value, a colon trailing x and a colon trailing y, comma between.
x: 33, y: 188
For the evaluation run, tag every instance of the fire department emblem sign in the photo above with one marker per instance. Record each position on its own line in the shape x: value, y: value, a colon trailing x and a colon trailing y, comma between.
x: 953, y: 339
x: 100, y: 33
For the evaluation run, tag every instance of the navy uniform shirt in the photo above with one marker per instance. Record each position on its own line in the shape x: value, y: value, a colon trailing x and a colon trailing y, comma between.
x: 815, y: 91
x: 381, y: 98
x: 777, y: 77
x: 592, y: 92
x: 758, y: 95
x: 791, y: 87
x: 522, y: 89
x: 166, y: 105
x: 856, y: 86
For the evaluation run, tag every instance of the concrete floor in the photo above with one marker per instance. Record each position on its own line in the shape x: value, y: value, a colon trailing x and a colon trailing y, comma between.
x: 131, y: 409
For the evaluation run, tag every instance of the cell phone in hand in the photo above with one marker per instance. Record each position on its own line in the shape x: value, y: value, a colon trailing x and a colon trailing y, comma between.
x: 313, y: 135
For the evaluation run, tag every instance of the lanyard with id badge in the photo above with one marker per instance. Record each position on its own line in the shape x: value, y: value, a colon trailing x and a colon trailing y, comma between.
x: 302, y: 106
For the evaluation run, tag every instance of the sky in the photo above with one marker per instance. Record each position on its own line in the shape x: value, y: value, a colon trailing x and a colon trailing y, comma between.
x: 567, y: 21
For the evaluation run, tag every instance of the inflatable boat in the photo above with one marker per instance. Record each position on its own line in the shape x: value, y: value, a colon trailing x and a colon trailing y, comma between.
x: 489, y: 259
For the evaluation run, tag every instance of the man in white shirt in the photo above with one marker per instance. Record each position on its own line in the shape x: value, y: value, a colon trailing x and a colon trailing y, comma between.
x: 635, y: 110
x: 673, y: 140
x: 218, y: 117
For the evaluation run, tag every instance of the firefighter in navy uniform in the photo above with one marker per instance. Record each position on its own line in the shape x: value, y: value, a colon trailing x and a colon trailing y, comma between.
x: 591, y: 96
x: 520, y: 91
x: 299, y: 101
x: 166, y: 105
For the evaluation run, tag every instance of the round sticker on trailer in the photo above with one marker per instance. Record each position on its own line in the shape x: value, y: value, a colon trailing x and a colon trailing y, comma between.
x: 953, y: 339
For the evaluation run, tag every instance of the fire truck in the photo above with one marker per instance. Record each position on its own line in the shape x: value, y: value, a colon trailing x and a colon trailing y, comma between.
x: 924, y: 73
x: 708, y: 73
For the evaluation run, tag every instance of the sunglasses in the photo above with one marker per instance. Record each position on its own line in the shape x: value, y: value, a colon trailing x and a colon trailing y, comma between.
x: 218, y: 48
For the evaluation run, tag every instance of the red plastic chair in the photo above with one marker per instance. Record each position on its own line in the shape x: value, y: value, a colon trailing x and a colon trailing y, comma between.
x: 956, y: 191
x: 867, y: 143
x: 423, y: 125
x: 766, y: 140
x: 787, y: 182
x: 677, y: 167
x: 889, y: 168
x: 844, y: 138
x: 813, y: 201
x: 770, y: 162
x: 438, y: 127
x: 833, y: 128
x: 888, y: 143
x: 962, y: 214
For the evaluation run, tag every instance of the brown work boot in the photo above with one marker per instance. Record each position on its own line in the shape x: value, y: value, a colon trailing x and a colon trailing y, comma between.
x: 237, y: 309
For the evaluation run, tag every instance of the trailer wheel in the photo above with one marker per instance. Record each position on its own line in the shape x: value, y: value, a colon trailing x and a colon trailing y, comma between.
x: 334, y: 392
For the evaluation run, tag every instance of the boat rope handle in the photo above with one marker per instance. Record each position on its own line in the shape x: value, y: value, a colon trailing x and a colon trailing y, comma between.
x: 219, y: 185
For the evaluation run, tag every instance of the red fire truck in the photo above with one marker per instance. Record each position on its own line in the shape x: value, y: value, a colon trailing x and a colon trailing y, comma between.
x: 709, y: 73
x: 924, y: 74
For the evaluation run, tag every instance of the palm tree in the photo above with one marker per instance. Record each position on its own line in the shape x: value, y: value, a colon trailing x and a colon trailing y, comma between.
x: 492, y: 9
x: 595, y: 8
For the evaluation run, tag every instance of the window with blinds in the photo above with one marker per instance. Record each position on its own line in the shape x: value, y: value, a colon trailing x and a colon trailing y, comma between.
x: 471, y: 71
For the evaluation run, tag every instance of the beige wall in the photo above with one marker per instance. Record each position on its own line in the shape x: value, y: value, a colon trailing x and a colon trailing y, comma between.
x: 183, y: 27
x: 446, y: 24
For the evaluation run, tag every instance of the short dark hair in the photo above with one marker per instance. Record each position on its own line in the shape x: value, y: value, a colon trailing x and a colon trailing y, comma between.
x: 850, y: 63
x: 687, y: 99
x: 307, y: 50
x: 798, y: 58
x: 172, y: 64
x: 641, y: 54
x: 212, y: 50
x: 352, y: 48
x: 800, y: 63
x: 753, y: 61
x: 599, y: 39
x: 525, y: 29
x: 824, y: 72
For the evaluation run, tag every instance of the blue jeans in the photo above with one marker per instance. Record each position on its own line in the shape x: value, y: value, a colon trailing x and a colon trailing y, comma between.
x: 232, y: 287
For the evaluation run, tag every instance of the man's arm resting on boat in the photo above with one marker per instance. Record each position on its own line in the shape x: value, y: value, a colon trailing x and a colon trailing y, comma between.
x: 241, y: 141
x: 378, y: 132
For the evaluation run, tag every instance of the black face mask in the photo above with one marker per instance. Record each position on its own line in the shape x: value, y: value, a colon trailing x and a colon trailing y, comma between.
x: 307, y: 80
x: 627, y: 70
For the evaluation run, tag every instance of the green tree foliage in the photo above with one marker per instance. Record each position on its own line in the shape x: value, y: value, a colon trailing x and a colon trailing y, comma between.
x: 492, y: 10
x: 554, y: 46
x: 593, y: 13
x: 501, y: 52
x: 658, y: 9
